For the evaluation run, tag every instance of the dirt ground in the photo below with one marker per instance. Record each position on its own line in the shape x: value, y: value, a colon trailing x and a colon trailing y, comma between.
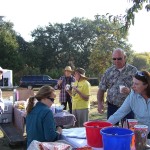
x: 7, y: 94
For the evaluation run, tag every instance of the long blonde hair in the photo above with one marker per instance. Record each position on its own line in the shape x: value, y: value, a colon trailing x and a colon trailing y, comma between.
x: 44, y: 91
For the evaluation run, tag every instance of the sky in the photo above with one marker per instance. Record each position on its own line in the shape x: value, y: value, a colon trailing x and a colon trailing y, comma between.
x: 27, y: 15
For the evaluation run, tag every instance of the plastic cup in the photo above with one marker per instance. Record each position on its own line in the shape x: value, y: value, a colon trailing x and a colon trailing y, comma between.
x: 121, y: 87
x: 67, y: 87
x: 140, y: 132
x: 131, y: 124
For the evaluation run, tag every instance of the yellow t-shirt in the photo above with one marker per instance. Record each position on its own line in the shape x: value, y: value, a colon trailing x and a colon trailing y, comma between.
x: 78, y: 102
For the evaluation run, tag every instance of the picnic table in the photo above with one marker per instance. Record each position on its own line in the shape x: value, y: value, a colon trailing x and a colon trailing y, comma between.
x: 63, y: 118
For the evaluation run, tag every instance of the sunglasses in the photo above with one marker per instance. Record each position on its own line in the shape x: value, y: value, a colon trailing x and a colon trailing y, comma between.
x: 141, y: 76
x: 139, y: 73
x: 51, y: 99
x: 117, y: 58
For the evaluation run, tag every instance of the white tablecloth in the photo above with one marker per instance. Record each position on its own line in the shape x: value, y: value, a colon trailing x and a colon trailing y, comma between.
x: 76, y: 137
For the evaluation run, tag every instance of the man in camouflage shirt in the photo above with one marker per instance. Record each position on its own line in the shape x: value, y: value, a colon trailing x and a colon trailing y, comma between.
x: 119, y: 74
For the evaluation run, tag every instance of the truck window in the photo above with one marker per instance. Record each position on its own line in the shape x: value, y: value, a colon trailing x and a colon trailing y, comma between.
x: 46, y: 78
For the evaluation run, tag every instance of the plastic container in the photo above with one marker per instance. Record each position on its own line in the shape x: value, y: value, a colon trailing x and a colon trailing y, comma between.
x: 131, y: 123
x: 93, y: 136
x: 140, y: 132
x: 15, y: 95
x: 59, y: 109
x: 115, y: 138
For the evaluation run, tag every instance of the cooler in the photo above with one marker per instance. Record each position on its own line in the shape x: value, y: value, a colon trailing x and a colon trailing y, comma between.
x: 6, y: 112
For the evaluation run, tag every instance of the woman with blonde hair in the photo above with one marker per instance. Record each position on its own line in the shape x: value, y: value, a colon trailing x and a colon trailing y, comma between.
x: 40, y: 123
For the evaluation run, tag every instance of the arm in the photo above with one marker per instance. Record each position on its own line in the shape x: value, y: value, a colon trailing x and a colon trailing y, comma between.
x: 49, y: 127
x: 83, y: 96
x: 59, y: 83
x: 100, y: 100
x: 121, y: 112
x: 69, y: 92
x: 83, y: 90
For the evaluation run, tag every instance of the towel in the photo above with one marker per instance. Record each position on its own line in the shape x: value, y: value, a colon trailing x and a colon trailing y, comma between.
x: 75, y: 133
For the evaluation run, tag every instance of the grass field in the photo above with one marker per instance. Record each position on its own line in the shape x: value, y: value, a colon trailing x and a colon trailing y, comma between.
x: 93, y: 115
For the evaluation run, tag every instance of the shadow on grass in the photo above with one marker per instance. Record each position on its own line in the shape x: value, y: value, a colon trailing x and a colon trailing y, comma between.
x: 4, y: 144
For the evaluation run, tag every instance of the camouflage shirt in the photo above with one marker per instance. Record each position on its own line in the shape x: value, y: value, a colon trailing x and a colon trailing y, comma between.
x: 111, y: 80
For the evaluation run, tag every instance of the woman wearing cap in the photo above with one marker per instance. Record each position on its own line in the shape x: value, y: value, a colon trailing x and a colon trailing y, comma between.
x: 80, y: 97
x: 64, y: 84
x: 138, y: 100
x: 40, y: 123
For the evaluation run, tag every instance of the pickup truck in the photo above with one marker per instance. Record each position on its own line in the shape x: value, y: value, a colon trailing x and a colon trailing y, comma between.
x: 33, y: 81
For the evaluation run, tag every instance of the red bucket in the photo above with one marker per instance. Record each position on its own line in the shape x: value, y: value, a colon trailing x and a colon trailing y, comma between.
x: 93, y: 136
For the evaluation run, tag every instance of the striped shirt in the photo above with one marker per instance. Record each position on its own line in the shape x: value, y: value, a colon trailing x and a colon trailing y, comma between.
x: 63, y: 95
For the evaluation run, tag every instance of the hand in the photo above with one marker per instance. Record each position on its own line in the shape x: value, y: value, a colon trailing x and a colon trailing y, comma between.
x: 69, y: 92
x: 74, y: 88
x: 101, y: 108
x: 59, y: 82
x: 59, y: 130
x: 125, y: 90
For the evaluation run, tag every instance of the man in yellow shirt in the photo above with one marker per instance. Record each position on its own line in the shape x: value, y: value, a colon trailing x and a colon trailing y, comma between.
x: 80, y: 97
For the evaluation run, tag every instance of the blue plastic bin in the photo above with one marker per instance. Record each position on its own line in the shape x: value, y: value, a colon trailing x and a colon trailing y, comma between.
x: 116, y: 138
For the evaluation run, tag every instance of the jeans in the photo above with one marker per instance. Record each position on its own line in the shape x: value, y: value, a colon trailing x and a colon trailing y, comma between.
x: 112, y: 109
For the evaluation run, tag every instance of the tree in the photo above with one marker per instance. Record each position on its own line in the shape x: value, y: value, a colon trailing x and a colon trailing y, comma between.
x: 69, y: 43
x: 109, y: 38
x: 137, y: 6
x: 72, y: 43
x: 9, y: 56
x: 142, y: 61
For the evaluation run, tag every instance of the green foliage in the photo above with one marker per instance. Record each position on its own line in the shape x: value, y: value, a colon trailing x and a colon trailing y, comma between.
x: 79, y: 43
x: 136, y: 7
x: 68, y: 43
x: 142, y: 61
x: 109, y: 38
x: 129, y: 18
x: 54, y: 73
x: 9, y: 56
